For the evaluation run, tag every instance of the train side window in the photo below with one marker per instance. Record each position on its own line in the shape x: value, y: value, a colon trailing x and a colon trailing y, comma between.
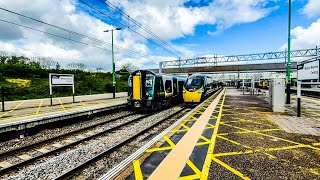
x: 168, y: 86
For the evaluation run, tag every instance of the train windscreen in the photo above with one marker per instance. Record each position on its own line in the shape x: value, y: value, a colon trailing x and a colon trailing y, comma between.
x: 193, y: 84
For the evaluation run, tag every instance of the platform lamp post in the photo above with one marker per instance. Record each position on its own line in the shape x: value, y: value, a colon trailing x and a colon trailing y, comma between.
x: 288, y: 80
x: 113, y: 64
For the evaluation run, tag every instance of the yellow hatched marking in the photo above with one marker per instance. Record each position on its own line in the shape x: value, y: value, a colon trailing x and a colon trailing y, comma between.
x: 190, y: 177
x: 232, y: 153
x: 38, y: 110
x: 234, y: 171
x: 4, y: 114
x: 186, y: 127
x: 193, y: 117
x: 258, y: 150
x: 245, y: 132
x: 245, y: 146
x: 137, y: 170
x: 207, y: 162
x: 62, y: 106
x: 166, y: 138
x: 194, y: 168
x: 169, y: 141
x: 211, y: 125
x: 282, y: 139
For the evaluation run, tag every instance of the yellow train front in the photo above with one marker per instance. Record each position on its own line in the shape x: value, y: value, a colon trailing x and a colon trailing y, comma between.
x: 197, y: 87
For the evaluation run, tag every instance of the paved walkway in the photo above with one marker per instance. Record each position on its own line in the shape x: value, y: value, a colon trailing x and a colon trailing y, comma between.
x: 298, y: 125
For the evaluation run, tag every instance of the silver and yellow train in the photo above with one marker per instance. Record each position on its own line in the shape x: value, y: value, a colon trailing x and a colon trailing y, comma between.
x: 197, y: 88
x: 151, y: 91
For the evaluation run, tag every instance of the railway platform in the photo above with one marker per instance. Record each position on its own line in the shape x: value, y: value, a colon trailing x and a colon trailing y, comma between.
x: 25, y: 114
x: 229, y: 136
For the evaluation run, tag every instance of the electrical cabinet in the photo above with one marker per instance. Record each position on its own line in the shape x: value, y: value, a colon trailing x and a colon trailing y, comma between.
x: 277, y: 95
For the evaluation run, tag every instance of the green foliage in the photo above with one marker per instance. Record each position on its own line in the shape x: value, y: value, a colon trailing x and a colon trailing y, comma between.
x: 21, y: 68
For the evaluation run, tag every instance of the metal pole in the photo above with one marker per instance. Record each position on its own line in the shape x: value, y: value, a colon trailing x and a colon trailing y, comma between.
x: 2, y: 97
x: 50, y: 84
x: 113, y: 69
x: 160, y: 67
x: 289, y: 53
x: 73, y: 89
x: 299, y: 99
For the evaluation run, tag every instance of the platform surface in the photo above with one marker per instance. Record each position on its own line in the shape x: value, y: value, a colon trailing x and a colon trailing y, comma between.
x: 36, y: 108
x: 240, y: 141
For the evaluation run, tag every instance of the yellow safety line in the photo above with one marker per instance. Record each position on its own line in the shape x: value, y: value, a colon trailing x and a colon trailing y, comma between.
x: 207, y: 162
x: 4, y: 114
x: 38, y: 110
x: 234, y: 171
x: 62, y: 106
x: 282, y: 139
x: 137, y: 170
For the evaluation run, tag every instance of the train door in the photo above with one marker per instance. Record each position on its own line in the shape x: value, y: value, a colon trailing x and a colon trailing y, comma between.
x: 180, y: 86
x: 158, y: 88
x: 175, y: 86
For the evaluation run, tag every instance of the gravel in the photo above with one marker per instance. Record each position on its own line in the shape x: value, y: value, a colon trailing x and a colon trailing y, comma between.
x: 48, y: 133
x: 51, y: 167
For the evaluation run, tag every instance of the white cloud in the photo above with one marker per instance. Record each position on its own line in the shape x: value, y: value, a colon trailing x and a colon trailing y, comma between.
x: 166, y: 18
x: 312, y: 8
x: 303, y: 38
x: 171, y: 19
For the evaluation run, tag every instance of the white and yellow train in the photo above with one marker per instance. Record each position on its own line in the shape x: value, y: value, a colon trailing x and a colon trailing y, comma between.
x: 197, y: 88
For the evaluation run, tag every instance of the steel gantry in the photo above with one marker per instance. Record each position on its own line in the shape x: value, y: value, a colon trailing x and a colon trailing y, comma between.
x: 236, y: 58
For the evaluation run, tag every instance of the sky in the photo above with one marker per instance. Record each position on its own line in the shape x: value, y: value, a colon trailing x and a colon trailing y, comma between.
x: 170, y: 29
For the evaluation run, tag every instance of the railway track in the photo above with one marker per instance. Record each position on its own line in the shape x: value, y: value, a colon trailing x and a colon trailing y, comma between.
x: 63, y: 147
x: 72, y: 172
x: 16, y: 167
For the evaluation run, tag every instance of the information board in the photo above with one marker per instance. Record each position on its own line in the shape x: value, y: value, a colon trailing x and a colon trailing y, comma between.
x: 309, y: 70
x: 62, y: 79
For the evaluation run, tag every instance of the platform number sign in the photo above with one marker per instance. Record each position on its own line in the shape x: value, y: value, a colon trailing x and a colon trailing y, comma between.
x: 61, y: 80
x: 309, y: 70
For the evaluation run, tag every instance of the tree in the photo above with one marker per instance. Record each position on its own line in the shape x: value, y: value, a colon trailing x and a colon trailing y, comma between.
x: 128, y: 68
x: 57, y: 66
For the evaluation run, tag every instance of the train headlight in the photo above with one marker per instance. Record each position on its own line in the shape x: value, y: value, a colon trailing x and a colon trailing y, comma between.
x: 183, y: 91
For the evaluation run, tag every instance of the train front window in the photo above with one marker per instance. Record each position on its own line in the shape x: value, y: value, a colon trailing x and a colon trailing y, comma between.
x: 149, y: 85
x: 193, y: 82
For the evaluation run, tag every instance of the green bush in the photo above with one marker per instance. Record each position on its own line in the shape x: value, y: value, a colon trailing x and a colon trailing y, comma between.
x: 85, y: 82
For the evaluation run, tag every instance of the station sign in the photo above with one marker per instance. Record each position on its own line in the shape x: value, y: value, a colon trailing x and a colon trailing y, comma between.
x: 309, y: 70
x: 62, y: 79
